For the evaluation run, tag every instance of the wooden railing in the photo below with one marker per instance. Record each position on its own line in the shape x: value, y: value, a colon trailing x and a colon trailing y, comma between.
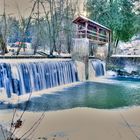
x: 93, y: 36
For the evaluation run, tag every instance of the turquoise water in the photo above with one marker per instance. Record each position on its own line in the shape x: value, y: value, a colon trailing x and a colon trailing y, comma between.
x: 120, y: 93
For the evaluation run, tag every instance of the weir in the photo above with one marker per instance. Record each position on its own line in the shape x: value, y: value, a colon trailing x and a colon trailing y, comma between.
x: 25, y: 76
x: 22, y: 78
x: 99, y: 67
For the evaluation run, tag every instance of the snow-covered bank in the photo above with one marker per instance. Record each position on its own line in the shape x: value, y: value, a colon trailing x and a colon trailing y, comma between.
x: 81, y: 124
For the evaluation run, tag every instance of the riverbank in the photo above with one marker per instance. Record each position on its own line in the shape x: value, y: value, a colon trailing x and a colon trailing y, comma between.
x: 81, y: 124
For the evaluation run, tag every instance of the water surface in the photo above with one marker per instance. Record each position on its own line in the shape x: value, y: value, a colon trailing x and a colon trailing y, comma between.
x: 121, y: 93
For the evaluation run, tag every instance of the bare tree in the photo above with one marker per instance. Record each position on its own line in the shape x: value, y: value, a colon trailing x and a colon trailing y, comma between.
x: 60, y: 16
x: 3, y: 35
x: 56, y: 26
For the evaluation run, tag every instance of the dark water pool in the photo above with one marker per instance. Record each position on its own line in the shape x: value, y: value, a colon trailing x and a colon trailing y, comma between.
x: 122, y: 93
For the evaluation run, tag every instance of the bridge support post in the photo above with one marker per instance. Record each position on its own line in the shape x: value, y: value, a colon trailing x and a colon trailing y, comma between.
x: 80, y: 53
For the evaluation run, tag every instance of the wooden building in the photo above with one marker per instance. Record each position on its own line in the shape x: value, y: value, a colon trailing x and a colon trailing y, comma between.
x: 95, y: 32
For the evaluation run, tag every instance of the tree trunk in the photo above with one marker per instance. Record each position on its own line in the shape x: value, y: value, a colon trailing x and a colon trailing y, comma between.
x: 3, y: 45
x: 116, y: 44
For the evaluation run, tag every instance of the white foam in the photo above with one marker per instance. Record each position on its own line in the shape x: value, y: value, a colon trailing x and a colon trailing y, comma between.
x: 16, y: 99
x: 30, y: 60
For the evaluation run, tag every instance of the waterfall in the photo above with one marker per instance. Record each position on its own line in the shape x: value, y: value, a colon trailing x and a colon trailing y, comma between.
x: 99, y: 67
x: 22, y: 78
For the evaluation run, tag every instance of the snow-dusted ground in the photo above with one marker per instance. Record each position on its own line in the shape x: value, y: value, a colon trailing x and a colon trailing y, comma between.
x: 129, y: 48
x: 125, y: 55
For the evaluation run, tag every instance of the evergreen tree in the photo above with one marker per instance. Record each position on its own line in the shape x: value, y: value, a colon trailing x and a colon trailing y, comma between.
x: 118, y: 15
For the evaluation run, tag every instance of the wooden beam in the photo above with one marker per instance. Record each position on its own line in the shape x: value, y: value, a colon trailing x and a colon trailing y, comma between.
x: 97, y: 33
x: 86, y: 28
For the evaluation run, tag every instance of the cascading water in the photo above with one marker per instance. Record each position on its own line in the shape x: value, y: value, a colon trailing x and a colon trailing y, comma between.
x: 22, y: 78
x: 99, y: 67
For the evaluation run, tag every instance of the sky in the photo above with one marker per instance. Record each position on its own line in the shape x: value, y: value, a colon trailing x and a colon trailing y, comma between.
x: 12, y: 10
x: 11, y: 6
x: 24, y: 6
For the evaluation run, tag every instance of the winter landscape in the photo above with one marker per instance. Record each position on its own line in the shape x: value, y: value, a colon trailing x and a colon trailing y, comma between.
x: 69, y: 70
